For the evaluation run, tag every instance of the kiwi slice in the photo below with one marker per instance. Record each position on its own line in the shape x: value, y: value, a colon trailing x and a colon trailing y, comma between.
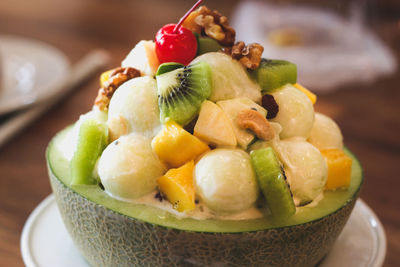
x: 206, y: 44
x: 92, y: 140
x: 273, y: 74
x: 272, y: 181
x: 181, y: 92
x: 167, y: 67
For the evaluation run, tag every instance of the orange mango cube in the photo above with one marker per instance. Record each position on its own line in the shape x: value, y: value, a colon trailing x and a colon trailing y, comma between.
x: 339, y: 168
x: 177, y: 187
x: 175, y: 146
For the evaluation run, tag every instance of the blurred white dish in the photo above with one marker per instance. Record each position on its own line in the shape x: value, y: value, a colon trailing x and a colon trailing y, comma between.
x: 31, y: 72
x: 46, y: 243
x: 328, y: 49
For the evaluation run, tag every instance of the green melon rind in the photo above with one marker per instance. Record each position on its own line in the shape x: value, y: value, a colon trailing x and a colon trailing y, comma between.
x: 109, y: 238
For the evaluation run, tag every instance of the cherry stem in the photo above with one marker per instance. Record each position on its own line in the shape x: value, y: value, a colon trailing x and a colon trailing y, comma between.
x: 177, y: 26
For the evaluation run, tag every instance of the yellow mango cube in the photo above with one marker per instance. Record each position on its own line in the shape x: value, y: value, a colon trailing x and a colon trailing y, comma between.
x: 177, y: 187
x: 308, y: 93
x: 104, y: 77
x: 339, y: 168
x: 175, y: 146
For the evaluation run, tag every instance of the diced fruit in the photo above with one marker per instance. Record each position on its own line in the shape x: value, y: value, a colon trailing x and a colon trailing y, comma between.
x: 339, y: 168
x: 325, y: 133
x: 296, y: 112
x: 272, y: 181
x: 105, y: 76
x: 206, y: 45
x: 229, y: 78
x: 177, y: 187
x: 232, y: 108
x: 92, y: 139
x: 213, y: 126
x: 175, y: 146
x: 129, y: 168
x: 305, y: 168
x: 179, y: 46
x: 167, y: 67
x: 308, y: 93
x: 225, y: 181
x: 273, y: 74
x: 69, y: 144
x: 134, y: 108
x: 143, y: 57
x: 182, y: 91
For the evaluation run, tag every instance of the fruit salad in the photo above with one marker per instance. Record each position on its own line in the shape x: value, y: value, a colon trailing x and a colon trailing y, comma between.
x: 203, y: 126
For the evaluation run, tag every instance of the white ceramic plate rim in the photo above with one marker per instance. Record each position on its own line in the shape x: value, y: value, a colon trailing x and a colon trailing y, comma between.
x: 376, y: 259
x: 41, y: 92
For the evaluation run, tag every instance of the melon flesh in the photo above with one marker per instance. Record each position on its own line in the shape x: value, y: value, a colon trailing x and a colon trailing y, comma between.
x: 143, y: 57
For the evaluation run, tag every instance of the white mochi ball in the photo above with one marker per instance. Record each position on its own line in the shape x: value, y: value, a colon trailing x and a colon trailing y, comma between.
x: 128, y: 167
x: 325, y: 133
x: 296, y: 112
x: 225, y: 181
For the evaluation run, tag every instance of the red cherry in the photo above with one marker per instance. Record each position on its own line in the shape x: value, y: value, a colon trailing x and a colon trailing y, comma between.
x: 175, y: 43
x: 179, y: 46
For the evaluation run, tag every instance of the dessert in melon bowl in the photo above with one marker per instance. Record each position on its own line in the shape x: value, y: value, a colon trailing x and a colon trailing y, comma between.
x: 199, y: 152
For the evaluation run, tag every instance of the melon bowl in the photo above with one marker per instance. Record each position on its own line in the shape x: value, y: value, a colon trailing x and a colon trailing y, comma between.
x: 109, y: 232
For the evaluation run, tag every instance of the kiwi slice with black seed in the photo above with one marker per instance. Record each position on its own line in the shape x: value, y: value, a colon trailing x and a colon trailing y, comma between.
x: 272, y: 181
x: 167, y: 67
x: 273, y: 74
x: 182, y: 91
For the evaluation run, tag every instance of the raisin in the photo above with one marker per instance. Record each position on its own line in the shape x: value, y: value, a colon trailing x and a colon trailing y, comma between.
x: 268, y: 102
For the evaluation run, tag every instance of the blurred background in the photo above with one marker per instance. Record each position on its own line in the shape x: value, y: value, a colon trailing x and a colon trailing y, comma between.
x: 347, y: 52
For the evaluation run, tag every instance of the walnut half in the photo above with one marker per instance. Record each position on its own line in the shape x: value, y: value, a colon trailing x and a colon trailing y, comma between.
x: 117, y: 77
x: 211, y: 23
x: 248, y: 55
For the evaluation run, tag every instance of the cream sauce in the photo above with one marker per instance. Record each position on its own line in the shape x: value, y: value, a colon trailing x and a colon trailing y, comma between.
x: 201, y: 212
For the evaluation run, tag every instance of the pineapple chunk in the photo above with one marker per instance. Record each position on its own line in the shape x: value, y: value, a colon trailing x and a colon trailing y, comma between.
x: 104, y: 77
x: 308, y: 93
x: 143, y: 57
x: 213, y: 126
x: 177, y: 187
x: 339, y: 168
x: 232, y: 107
x: 175, y: 146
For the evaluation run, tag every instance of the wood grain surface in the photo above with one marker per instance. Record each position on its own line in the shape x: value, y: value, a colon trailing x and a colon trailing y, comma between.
x: 368, y: 114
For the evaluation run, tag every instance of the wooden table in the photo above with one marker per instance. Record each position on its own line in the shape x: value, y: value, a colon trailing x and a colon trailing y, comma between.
x: 368, y: 114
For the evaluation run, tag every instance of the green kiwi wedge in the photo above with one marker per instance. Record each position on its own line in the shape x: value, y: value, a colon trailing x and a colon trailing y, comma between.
x: 182, y: 91
x: 206, y: 44
x: 273, y: 74
x: 92, y: 139
x: 272, y: 181
x: 167, y: 67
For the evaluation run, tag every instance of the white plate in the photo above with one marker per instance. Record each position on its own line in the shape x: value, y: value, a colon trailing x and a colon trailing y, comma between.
x: 31, y: 71
x: 46, y: 243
